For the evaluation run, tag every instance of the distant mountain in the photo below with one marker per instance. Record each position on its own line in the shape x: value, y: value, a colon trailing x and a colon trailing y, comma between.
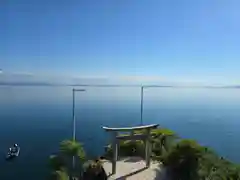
x: 25, y: 84
x: 221, y: 87
x: 28, y: 79
x: 231, y: 87
x: 85, y: 85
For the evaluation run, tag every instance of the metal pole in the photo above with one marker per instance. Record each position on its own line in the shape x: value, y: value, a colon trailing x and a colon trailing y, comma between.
x: 74, y: 121
x: 73, y: 113
x: 74, y: 127
x: 141, y: 105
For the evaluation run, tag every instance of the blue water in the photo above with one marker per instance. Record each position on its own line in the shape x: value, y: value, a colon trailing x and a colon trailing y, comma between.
x: 38, y: 118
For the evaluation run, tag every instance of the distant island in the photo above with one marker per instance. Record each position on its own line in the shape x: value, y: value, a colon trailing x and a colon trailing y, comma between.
x: 77, y: 84
x: 26, y: 84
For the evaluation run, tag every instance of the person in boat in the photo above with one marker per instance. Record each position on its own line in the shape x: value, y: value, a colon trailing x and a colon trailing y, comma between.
x: 14, y: 149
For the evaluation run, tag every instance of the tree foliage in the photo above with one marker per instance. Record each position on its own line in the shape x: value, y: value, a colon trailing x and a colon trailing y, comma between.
x: 60, y: 175
x: 56, y: 162
x: 72, y: 148
x: 183, y: 160
x: 160, y: 138
x: 61, y: 163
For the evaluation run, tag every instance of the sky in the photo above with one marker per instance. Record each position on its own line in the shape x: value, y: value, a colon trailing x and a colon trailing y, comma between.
x: 187, y: 40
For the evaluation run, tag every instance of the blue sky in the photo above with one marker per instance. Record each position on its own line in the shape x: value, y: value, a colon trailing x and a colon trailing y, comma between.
x: 192, y: 40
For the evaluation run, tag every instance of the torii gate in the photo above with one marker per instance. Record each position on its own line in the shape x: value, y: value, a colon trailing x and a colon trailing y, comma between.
x: 145, y: 137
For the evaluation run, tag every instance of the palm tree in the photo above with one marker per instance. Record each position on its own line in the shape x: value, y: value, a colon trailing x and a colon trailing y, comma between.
x: 61, y: 163
x: 71, y: 149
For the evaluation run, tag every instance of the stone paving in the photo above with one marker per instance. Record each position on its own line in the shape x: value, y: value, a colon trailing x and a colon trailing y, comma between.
x: 134, y: 168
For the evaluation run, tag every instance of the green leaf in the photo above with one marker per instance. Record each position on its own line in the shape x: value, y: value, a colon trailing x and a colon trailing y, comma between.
x: 72, y: 148
x: 60, y: 175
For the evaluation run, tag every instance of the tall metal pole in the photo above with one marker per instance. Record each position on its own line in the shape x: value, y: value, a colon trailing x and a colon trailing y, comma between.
x: 73, y: 116
x: 74, y: 121
x: 141, y: 105
x: 74, y: 126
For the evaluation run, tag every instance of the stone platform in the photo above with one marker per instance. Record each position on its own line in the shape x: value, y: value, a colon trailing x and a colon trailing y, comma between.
x: 134, y: 168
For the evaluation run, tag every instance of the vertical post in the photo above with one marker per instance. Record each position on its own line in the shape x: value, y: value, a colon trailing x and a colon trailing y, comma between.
x: 74, y: 126
x: 115, y: 153
x: 141, y: 105
x: 74, y: 121
x: 147, y: 148
x: 73, y: 116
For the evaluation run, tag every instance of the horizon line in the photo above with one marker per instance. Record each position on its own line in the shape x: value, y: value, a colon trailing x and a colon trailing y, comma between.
x: 123, y: 85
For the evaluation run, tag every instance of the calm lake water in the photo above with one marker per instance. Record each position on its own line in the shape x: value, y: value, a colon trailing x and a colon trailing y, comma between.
x: 38, y: 118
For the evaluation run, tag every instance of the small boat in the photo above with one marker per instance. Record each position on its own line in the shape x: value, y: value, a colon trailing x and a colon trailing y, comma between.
x: 13, y: 152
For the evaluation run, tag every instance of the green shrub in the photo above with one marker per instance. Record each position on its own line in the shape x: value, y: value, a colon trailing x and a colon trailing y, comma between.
x: 182, y: 160
x: 161, y: 139
x: 127, y: 148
